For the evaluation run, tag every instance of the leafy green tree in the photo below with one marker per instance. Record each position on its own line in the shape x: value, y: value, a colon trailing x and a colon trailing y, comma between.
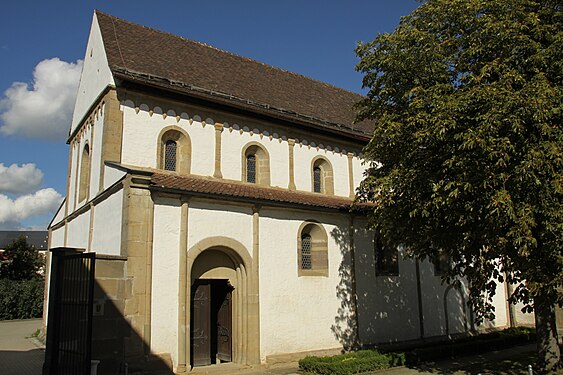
x: 23, y: 261
x: 466, y: 155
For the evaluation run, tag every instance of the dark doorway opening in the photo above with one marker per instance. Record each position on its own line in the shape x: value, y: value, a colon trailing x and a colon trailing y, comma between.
x: 211, y: 322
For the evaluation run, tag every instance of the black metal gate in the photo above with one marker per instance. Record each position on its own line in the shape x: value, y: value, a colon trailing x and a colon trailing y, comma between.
x: 69, y: 324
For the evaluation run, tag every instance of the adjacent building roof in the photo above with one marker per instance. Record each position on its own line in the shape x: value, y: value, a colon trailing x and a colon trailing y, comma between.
x: 151, y: 57
x: 37, y: 238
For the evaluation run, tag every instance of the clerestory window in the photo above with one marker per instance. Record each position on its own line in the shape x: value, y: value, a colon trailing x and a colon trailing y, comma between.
x: 174, y: 150
x: 317, y: 180
x: 322, y: 180
x: 255, y: 164
x: 84, y: 173
x: 251, y: 168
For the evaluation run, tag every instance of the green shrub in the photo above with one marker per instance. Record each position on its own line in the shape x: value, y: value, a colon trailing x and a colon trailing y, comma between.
x: 370, y: 360
x: 21, y: 299
x: 351, y: 363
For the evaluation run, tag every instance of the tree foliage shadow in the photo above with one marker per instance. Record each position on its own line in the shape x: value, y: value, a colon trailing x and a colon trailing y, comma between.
x: 345, y: 327
x: 388, y: 310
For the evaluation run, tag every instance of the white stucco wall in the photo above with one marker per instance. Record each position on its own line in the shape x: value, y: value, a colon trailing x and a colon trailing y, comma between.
x: 458, y: 317
x: 521, y: 318
x: 499, y: 301
x: 303, y: 157
x: 60, y: 214
x: 358, y: 169
x: 141, y: 132
x: 165, y: 271
x: 96, y: 75
x: 112, y: 175
x: 384, y: 302
x: 233, y: 142
x: 108, y: 217
x: 214, y: 219
x: 78, y: 231
x: 501, y: 313
x: 202, y: 136
x: 298, y: 313
x: 58, y: 237
x: 432, y: 301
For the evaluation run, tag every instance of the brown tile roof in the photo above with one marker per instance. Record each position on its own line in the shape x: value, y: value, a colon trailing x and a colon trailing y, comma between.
x: 236, y: 190
x: 149, y: 56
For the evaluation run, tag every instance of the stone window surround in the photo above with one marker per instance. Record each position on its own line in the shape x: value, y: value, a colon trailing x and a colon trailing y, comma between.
x: 327, y: 175
x: 84, y: 179
x: 183, y: 148
x: 262, y: 162
x: 319, y: 249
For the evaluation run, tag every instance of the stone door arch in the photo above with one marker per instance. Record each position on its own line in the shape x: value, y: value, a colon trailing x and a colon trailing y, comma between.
x: 222, y: 258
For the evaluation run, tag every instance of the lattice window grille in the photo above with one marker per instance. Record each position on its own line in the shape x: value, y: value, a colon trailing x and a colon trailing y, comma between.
x: 170, y: 156
x: 306, y: 262
x: 317, y: 179
x: 251, y: 169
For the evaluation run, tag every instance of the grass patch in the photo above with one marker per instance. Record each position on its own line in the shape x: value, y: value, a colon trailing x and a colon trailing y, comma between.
x: 351, y: 363
x: 34, y: 334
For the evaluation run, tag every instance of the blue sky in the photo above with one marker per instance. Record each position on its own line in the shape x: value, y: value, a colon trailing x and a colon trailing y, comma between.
x: 42, y: 43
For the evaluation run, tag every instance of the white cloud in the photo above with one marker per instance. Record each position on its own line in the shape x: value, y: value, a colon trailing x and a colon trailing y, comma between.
x: 16, y: 179
x: 45, y: 110
x: 42, y: 202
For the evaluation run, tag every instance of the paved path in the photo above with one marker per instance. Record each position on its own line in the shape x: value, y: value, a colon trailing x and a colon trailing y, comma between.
x: 18, y: 354
x: 486, y: 363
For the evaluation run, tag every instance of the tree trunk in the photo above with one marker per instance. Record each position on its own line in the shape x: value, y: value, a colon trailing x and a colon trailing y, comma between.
x: 546, y: 331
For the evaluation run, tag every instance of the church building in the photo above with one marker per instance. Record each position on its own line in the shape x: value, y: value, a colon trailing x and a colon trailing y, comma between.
x: 217, y: 195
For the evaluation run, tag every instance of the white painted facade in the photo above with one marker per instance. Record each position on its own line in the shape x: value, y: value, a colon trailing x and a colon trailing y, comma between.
x: 165, y: 270
x: 96, y: 75
x: 297, y: 313
x: 291, y: 305
x: 106, y: 228
x: 78, y: 231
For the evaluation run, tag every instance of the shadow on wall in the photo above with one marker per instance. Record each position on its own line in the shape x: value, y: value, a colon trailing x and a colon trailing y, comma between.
x: 392, y: 309
x: 344, y: 327
x: 115, y: 343
x: 118, y: 309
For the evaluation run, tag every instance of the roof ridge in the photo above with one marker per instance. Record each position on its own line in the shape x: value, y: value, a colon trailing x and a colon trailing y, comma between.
x: 97, y: 11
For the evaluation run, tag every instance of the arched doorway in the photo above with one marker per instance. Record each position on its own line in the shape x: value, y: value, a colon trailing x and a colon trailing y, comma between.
x: 222, y: 305
x: 211, y: 317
